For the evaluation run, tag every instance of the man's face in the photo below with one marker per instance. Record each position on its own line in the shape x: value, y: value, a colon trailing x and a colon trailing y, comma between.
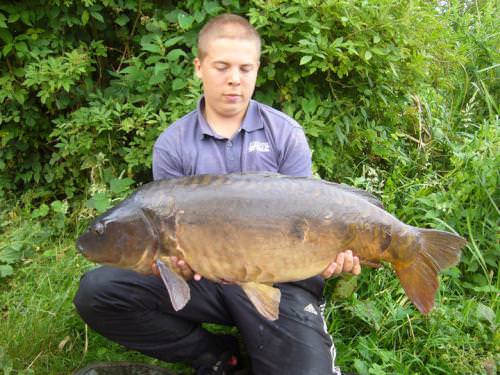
x: 228, y: 72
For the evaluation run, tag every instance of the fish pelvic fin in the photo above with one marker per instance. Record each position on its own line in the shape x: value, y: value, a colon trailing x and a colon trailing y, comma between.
x: 265, y: 298
x: 177, y: 287
x: 439, y: 250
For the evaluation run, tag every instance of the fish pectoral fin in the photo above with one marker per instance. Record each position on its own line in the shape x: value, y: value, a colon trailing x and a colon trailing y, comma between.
x: 177, y: 287
x: 265, y: 298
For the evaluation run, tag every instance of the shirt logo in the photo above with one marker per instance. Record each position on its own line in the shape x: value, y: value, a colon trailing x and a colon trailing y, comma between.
x: 257, y: 146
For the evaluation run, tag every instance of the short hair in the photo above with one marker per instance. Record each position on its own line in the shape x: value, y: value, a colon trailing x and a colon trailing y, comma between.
x: 220, y: 27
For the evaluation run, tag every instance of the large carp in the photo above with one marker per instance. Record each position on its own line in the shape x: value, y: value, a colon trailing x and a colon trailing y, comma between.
x: 260, y: 228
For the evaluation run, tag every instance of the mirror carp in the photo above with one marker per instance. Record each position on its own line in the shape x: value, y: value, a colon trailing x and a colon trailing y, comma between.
x: 257, y: 229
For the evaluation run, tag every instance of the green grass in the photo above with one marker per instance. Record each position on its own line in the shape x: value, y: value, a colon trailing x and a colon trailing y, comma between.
x: 376, y: 329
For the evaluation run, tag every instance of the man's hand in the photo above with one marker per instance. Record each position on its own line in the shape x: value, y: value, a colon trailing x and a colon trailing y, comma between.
x: 180, y: 267
x: 345, y: 262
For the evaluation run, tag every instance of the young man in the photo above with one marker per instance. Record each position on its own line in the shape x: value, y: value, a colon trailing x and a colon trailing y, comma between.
x: 227, y: 133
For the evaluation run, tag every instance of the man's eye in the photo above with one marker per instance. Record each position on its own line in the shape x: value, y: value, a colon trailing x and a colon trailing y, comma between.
x: 221, y: 68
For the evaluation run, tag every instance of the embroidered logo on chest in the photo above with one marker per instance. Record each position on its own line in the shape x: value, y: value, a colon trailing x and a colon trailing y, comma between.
x: 257, y: 146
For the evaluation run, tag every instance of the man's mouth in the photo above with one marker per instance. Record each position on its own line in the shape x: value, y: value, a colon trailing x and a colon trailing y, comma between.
x: 232, y: 97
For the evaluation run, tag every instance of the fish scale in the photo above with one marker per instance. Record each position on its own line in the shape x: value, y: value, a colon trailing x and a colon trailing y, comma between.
x: 257, y: 229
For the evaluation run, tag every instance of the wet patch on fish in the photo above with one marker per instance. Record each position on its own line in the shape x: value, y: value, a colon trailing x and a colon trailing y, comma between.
x: 300, y: 229
x: 386, y: 241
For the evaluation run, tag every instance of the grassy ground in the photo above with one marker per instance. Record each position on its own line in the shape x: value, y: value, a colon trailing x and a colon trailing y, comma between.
x: 376, y: 329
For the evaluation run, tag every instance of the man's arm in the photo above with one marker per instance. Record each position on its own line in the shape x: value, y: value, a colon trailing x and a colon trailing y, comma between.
x: 165, y: 163
x: 295, y: 158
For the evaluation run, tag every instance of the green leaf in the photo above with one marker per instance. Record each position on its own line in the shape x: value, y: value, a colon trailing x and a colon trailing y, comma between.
x: 85, y: 17
x: 157, y: 78
x: 21, y: 47
x: 14, y: 17
x: 7, y: 48
x: 212, y: 7
x: 185, y: 20
x: 345, y: 287
x: 99, y: 202
x: 361, y: 366
x: 172, y: 41
x: 175, y: 54
x: 6, y: 270
x: 485, y: 313
x: 25, y: 17
x: 97, y: 16
x: 379, y: 51
x: 153, y: 59
x: 368, y: 312
x: 161, y: 67
x: 59, y: 207
x: 41, y: 211
x: 154, y: 48
x: 122, y: 20
x: 368, y: 55
x: 2, y: 21
x: 305, y: 59
x: 119, y: 185
x: 6, y: 36
x: 50, y: 253
x: 12, y: 253
x: 179, y: 83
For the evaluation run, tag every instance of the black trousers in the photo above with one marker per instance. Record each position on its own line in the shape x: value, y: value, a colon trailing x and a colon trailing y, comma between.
x: 135, y: 311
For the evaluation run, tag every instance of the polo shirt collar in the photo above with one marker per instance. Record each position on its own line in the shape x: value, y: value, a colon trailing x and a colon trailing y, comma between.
x: 251, y: 122
x: 205, y: 129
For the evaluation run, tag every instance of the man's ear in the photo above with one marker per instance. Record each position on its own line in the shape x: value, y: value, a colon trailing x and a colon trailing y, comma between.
x: 197, y: 67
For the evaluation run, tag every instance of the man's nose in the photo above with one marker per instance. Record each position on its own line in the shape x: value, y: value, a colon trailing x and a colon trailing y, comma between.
x: 234, y: 77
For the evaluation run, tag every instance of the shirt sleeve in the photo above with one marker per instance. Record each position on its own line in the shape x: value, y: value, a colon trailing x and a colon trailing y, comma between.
x: 296, y: 157
x: 167, y: 161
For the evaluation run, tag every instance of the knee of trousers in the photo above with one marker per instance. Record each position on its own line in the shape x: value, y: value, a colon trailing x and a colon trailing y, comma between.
x: 100, y: 292
x: 86, y: 296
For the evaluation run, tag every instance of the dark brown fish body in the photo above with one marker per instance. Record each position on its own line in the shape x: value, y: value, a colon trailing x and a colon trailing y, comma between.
x: 259, y: 229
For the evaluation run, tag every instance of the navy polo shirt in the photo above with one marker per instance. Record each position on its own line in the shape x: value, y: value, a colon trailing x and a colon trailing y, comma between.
x: 267, y: 141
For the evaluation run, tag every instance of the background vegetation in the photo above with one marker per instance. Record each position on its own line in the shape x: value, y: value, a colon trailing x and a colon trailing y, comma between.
x: 397, y: 97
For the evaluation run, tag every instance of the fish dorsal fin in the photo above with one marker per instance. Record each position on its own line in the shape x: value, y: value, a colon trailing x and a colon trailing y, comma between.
x: 360, y: 193
x: 265, y: 298
x: 177, y: 287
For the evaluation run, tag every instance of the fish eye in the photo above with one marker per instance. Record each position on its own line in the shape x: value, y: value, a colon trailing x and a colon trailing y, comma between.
x: 99, y: 228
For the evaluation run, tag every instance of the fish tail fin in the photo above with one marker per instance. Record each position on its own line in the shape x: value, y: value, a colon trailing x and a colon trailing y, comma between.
x: 438, y: 251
